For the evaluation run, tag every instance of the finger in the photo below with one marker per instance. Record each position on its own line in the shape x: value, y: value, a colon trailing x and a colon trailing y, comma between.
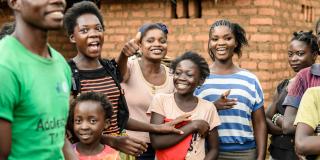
x: 139, y: 144
x: 177, y: 131
x: 137, y: 38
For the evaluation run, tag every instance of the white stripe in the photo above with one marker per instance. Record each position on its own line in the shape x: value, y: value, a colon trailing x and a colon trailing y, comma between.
x: 233, y: 132
x: 235, y: 119
x: 228, y: 81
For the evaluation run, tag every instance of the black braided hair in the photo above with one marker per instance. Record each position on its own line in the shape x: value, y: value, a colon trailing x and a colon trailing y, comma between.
x: 317, y: 25
x: 78, y: 9
x: 7, y: 29
x: 238, y: 32
x: 308, y: 38
x: 196, y: 59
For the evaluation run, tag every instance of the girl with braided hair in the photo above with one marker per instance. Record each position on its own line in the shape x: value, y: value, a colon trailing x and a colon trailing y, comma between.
x: 302, y: 53
x: 242, y: 133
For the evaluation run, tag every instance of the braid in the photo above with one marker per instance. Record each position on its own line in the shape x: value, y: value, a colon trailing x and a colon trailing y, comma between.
x: 309, y: 38
x: 238, y: 32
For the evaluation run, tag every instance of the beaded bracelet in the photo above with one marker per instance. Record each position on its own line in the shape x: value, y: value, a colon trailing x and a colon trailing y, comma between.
x: 275, y: 118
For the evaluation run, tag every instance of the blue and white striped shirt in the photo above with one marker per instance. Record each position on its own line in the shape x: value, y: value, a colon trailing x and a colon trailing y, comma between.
x: 235, y: 131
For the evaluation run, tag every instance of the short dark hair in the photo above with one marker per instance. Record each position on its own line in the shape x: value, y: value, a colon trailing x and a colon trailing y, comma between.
x: 78, y: 9
x: 308, y: 38
x: 95, y: 97
x: 196, y: 59
x: 149, y: 26
x: 7, y: 29
x: 238, y: 32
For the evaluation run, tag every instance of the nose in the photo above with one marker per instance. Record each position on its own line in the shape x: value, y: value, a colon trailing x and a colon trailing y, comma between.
x: 221, y: 41
x: 295, y: 57
x: 94, y: 33
x: 84, y: 125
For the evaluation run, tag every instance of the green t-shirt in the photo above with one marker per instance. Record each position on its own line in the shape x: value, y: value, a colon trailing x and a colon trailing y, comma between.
x: 34, y: 97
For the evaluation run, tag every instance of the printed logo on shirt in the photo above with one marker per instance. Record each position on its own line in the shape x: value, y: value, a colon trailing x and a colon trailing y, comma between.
x: 62, y: 87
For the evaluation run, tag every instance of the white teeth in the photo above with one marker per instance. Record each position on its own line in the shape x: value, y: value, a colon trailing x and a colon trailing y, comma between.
x: 182, y: 86
x: 57, y: 14
x: 156, y: 50
x: 221, y: 49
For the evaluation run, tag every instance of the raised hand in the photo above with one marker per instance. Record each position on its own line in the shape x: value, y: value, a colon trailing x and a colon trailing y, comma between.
x: 224, y: 102
x: 132, y: 46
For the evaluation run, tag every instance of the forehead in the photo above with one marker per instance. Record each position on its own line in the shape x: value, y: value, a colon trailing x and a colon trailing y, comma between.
x: 221, y: 30
x: 187, y: 64
x: 298, y: 45
x: 88, y: 19
x: 154, y: 32
x: 89, y: 107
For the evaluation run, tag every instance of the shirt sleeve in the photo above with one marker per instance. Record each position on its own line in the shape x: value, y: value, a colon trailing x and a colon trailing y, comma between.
x: 156, y: 105
x: 259, y: 99
x: 295, y: 92
x: 9, y: 92
x: 214, y: 118
x: 308, y: 111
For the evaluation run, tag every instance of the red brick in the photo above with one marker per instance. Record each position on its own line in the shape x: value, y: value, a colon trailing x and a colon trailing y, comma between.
x: 243, y: 2
x: 261, y: 37
x: 185, y: 38
x: 263, y: 2
x: 138, y: 13
x: 248, y: 11
x: 157, y: 14
x: 114, y: 23
x: 178, y: 22
x: 251, y: 65
x: 265, y: 65
x: 202, y: 37
x: 261, y: 21
x: 266, y: 11
x: 117, y: 38
x: 229, y: 12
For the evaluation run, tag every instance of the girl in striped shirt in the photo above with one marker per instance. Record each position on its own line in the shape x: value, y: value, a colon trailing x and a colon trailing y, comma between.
x: 242, y: 133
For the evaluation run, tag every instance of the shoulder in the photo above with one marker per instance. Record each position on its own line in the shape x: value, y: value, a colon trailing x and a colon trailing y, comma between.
x: 304, y: 72
x: 248, y: 74
x: 163, y: 95
x: 205, y: 104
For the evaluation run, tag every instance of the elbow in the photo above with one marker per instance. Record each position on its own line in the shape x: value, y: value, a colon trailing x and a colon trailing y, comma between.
x: 300, y: 147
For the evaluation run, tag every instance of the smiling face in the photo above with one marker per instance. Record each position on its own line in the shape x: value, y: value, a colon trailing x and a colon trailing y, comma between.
x: 88, y: 36
x: 89, y: 122
x: 299, y: 55
x: 43, y: 14
x: 222, y: 43
x: 154, y: 45
x: 186, y: 77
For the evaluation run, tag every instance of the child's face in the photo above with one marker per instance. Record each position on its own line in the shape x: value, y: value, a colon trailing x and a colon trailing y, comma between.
x: 89, y: 121
x: 88, y: 35
x: 154, y: 44
x: 299, y: 55
x: 186, y: 77
x: 222, y: 43
x: 43, y: 14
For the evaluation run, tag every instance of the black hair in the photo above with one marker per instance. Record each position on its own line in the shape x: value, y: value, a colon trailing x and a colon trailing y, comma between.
x: 150, y: 26
x: 308, y: 38
x: 7, y: 29
x: 196, y: 59
x: 78, y: 9
x: 238, y: 32
x: 317, y: 25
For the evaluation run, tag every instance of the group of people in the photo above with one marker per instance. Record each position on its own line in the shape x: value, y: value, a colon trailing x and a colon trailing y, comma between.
x: 135, y: 107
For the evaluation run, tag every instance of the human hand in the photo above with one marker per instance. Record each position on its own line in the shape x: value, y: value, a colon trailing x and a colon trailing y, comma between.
x: 129, y: 145
x: 202, y: 127
x: 131, y: 47
x: 225, y: 103
x: 170, y: 127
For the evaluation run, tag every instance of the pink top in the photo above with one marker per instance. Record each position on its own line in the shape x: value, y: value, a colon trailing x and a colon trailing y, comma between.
x: 107, y: 153
x: 139, y: 93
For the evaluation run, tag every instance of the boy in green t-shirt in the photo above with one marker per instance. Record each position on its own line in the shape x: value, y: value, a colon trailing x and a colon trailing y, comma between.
x: 34, y: 86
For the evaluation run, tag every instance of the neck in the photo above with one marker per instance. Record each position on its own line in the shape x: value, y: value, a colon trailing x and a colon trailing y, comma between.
x: 150, y: 66
x: 186, y: 102
x: 89, y: 149
x: 185, y: 97
x: 86, y: 63
x: 222, y: 66
x: 34, y: 39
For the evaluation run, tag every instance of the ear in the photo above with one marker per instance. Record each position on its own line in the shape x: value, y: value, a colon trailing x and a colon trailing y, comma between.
x: 71, y: 38
x: 14, y: 4
x: 106, y: 123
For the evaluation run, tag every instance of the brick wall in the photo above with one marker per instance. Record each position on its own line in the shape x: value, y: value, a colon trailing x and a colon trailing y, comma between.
x: 269, y: 25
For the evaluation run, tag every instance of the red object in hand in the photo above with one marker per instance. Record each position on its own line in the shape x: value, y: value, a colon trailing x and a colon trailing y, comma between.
x: 178, y: 151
